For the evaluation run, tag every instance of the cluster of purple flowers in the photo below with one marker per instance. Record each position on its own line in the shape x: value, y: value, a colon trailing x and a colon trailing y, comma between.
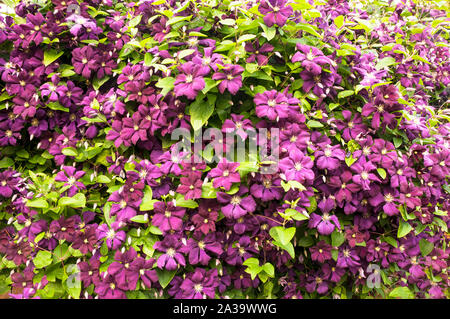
x: 88, y: 104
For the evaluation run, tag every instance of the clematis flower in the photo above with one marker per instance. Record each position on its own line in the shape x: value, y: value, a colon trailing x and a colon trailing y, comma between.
x: 312, y: 58
x: 256, y: 49
x: 190, y: 80
x: 325, y: 224
x: 230, y: 77
x: 108, y: 288
x: 383, y: 153
x: 329, y: 157
x: 275, y: 11
x: 84, y: 61
x: 172, y: 258
x: 200, y: 284
x: 297, y: 167
x: 69, y: 175
x: 271, y: 104
x: 199, y: 250
x: 364, y: 177
x: 114, y: 236
x: 167, y: 216
x: 191, y: 186
x: 225, y: 174
x: 351, y: 128
x: 9, y: 182
x: 236, y: 206
x: 321, y: 252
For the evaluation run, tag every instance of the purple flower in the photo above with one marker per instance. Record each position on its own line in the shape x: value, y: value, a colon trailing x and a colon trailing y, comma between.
x: 114, y: 238
x: 191, y: 186
x: 9, y: 181
x: 351, y: 128
x: 321, y: 252
x: 171, y: 258
x: 297, y: 167
x: 329, y: 157
x: 190, y: 80
x: 70, y: 175
x: 325, y: 224
x: 364, y: 177
x: 230, y: 77
x: 236, y: 206
x: 225, y: 174
x: 168, y: 217
x: 108, y: 288
x: 348, y: 258
x: 312, y: 58
x: 200, y: 284
x: 199, y: 250
x: 84, y: 61
x: 271, y: 104
x: 257, y: 51
x: 275, y: 11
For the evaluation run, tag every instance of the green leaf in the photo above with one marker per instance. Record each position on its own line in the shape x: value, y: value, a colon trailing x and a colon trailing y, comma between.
x: 165, y: 277
x: 339, y: 21
x: 419, y: 58
x: 188, y: 203
x: 42, y: 259
x: 281, y: 234
x: 97, y: 83
x: 166, y: 84
x: 76, y: 201
x: 201, y: 110
x: 69, y: 151
x: 385, y: 62
x: 308, y: 28
x: 143, y: 219
x: 251, y: 262
x: 228, y: 22
x: 402, y: 293
x: 345, y: 93
x: 403, y: 229
x: 103, y: 179
x: 306, y: 241
x: 135, y: 21
x: 37, y: 203
x: 350, y: 160
x: 314, y: 124
x: 269, y: 269
x: 147, y: 201
x: 397, y: 142
x: 425, y: 247
x: 6, y: 162
x: 209, y: 84
x: 337, y: 238
x: 391, y: 241
x: 51, y: 55
x: 184, y: 53
x: 208, y: 191
x: 381, y: 172
x: 246, y: 37
x: 268, y: 33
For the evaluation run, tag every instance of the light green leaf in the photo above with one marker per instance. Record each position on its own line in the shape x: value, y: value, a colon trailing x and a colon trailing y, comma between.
x: 51, y: 55
x: 402, y: 293
x: 403, y: 229
x: 42, y: 259
x: 425, y: 247
x: 166, y: 84
x: 37, y: 203
x: 165, y: 277
x: 76, y: 201
x: 381, y: 172
x: 385, y: 62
